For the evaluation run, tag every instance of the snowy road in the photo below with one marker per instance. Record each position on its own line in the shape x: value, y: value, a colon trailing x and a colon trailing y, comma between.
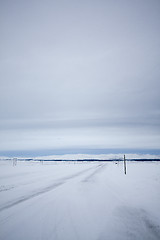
x: 85, y: 201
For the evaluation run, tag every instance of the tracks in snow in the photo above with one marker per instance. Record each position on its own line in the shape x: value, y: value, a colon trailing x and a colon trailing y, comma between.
x: 53, y: 186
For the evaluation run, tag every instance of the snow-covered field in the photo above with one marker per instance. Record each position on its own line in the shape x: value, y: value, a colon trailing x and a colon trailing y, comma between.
x: 84, y: 201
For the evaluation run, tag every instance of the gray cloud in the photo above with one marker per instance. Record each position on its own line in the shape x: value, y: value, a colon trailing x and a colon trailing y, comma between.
x: 73, y: 67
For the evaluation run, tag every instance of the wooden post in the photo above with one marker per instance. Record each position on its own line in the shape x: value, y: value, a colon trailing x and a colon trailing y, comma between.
x: 125, y: 171
x: 14, y: 161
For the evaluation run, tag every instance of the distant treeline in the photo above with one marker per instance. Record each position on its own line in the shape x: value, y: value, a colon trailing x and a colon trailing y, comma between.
x: 93, y: 160
x: 84, y: 160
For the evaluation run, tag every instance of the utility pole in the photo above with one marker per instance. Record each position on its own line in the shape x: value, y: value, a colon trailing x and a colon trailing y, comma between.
x: 125, y: 171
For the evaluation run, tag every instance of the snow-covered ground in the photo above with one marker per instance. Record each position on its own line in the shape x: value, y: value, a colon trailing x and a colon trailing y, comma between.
x: 84, y: 201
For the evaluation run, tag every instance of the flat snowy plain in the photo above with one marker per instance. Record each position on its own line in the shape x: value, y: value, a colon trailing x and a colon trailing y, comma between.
x: 84, y: 201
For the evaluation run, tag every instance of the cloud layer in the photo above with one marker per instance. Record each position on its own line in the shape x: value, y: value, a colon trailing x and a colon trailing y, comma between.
x: 79, y: 74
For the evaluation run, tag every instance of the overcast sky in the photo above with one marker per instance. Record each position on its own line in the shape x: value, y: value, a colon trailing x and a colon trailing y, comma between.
x: 79, y: 74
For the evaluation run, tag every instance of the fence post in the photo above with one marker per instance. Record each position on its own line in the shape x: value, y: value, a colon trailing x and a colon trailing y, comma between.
x: 125, y: 171
x: 14, y: 161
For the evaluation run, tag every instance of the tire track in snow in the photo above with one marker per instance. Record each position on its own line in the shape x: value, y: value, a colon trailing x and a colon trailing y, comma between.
x: 44, y: 190
x: 98, y: 169
x: 25, y: 198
